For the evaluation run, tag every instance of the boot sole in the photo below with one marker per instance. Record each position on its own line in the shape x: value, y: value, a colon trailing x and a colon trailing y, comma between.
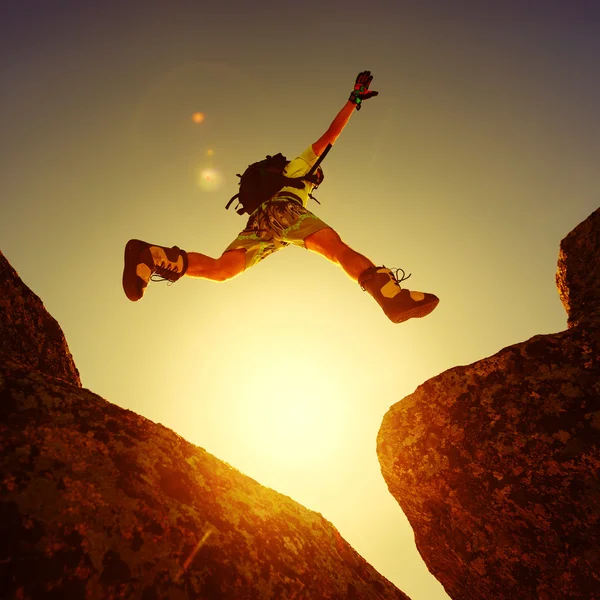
x: 130, y: 286
x: 419, y: 311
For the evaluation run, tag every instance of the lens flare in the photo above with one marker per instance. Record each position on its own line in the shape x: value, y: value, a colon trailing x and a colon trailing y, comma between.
x: 209, y: 180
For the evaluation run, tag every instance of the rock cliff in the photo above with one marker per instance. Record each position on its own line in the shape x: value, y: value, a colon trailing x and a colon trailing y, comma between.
x: 28, y: 334
x: 497, y: 464
x: 97, y: 502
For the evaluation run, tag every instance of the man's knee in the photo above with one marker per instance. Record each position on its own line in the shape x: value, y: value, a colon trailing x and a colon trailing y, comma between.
x: 231, y: 263
x: 326, y: 242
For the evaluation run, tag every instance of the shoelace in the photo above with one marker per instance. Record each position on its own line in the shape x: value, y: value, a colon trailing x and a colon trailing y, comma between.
x: 161, y: 274
x: 404, y: 277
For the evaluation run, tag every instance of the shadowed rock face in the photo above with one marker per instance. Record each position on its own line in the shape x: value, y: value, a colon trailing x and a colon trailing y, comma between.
x: 578, y: 275
x: 97, y: 502
x: 28, y: 334
x: 497, y: 464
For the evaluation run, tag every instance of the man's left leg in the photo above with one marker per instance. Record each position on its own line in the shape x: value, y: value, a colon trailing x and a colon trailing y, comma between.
x: 399, y: 304
x: 253, y: 244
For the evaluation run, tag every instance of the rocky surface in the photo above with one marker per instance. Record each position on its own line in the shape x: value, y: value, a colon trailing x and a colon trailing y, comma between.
x: 497, y: 464
x: 28, y: 334
x: 97, y: 502
x: 578, y: 274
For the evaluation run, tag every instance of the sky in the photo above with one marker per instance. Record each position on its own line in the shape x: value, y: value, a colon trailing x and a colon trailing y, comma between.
x: 478, y: 156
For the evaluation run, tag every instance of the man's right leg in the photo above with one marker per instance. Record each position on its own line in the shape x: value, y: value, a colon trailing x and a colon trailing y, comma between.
x: 399, y: 304
x: 328, y: 243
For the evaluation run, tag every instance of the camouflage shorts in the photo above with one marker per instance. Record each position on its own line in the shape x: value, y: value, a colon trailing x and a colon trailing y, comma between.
x: 274, y: 225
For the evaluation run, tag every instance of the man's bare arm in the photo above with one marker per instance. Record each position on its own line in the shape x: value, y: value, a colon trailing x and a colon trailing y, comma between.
x: 360, y: 93
x: 335, y: 128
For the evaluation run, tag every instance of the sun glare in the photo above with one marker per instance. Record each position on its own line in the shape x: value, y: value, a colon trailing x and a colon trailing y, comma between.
x: 294, y: 419
x: 282, y: 415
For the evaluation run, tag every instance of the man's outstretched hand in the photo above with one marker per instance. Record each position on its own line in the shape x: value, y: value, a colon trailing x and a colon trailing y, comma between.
x: 359, y: 93
x: 361, y: 89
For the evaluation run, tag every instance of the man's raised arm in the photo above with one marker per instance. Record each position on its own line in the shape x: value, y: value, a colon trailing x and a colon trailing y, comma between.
x: 359, y: 93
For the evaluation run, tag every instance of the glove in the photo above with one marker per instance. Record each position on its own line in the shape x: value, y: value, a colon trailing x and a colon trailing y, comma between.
x: 361, y: 89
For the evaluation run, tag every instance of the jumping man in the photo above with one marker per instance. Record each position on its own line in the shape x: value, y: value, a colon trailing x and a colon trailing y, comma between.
x: 278, y: 222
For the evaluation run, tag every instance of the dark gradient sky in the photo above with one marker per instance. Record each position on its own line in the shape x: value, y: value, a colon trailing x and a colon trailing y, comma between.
x: 479, y: 155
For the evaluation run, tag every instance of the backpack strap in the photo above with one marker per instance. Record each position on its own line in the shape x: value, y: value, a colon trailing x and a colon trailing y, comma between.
x: 288, y: 181
x: 316, y: 165
x: 310, y: 175
x: 229, y: 203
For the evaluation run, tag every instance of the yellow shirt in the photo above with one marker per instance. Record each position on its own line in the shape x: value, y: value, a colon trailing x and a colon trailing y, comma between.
x: 301, y: 165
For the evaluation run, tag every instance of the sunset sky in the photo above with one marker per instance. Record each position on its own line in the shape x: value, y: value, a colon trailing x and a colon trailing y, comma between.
x: 478, y: 156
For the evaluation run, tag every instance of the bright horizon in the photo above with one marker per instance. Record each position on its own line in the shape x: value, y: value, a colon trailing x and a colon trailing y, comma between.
x: 478, y: 156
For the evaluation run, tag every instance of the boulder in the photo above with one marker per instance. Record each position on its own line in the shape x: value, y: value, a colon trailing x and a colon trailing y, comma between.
x: 497, y: 464
x: 98, y: 502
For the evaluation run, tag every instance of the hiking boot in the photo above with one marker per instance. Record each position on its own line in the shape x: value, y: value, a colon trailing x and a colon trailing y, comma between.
x: 398, y: 304
x: 142, y: 260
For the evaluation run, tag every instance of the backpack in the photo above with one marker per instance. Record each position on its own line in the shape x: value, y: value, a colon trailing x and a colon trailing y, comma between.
x: 263, y: 179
